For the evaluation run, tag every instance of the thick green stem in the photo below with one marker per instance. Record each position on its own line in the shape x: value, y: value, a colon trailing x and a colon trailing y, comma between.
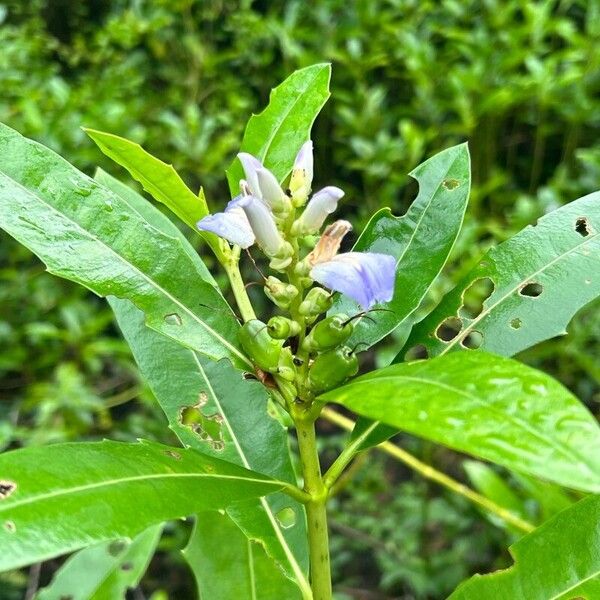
x: 316, y: 511
x: 232, y: 269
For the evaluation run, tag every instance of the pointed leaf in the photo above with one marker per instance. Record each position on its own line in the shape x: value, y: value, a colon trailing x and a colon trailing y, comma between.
x: 159, y: 179
x: 105, y: 571
x: 560, y: 560
x: 276, y: 134
x: 87, y: 234
x: 491, y: 407
x: 62, y: 497
x: 226, y: 564
x: 227, y: 417
x: 541, y: 277
x: 420, y: 240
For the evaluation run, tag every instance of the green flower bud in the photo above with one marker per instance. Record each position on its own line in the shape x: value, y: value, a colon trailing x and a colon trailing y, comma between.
x: 281, y: 328
x: 286, y: 369
x: 260, y: 346
x: 331, y: 369
x: 281, y: 294
x: 328, y: 333
x: 317, y: 301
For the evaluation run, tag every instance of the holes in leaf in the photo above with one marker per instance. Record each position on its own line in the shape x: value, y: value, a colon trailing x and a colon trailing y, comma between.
x: 10, y: 526
x: 448, y: 329
x: 6, y: 488
x: 207, y: 427
x: 286, y: 517
x: 531, y: 290
x: 418, y: 352
x: 173, y: 319
x: 173, y: 454
x: 472, y: 340
x: 451, y: 184
x: 474, y: 297
x: 117, y: 547
x: 126, y: 566
x: 516, y: 323
x: 582, y: 227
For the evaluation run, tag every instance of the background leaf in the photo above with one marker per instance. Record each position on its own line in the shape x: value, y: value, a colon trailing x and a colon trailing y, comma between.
x: 226, y: 564
x: 560, y: 561
x: 105, y: 571
x: 538, y: 280
x: 66, y: 496
x: 420, y: 240
x: 85, y: 233
x: 491, y: 407
x: 276, y: 134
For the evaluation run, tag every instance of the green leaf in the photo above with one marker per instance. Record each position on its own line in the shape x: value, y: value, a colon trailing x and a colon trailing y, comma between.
x: 62, y: 497
x: 550, y: 498
x: 226, y: 564
x: 104, y: 571
x: 491, y: 407
x: 159, y: 179
x: 276, y: 134
x: 560, y: 560
x: 85, y: 233
x: 555, y: 262
x: 420, y: 240
x: 211, y: 407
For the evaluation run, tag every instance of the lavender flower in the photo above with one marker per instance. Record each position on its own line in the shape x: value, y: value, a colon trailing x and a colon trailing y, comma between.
x: 366, y: 277
x: 321, y: 205
x: 232, y: 225
x: 263, y: 184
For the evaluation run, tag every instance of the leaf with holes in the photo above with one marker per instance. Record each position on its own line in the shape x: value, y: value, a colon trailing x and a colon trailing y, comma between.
x: 105, y: 571
x: 212, y: 408
x: 276, y: 134
x: 421, y: 241
x: 67, y: 496
x: 491, y: 407
x: 558, y: 561
x: 524, y: 291
x: 226, y: 564
x: 86, y: 233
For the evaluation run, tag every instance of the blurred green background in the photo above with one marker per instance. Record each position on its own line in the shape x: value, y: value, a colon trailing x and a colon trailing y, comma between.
x: 518, y: 79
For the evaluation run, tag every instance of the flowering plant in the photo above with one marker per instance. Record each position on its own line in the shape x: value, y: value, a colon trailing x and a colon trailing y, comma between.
x: 231, y: 384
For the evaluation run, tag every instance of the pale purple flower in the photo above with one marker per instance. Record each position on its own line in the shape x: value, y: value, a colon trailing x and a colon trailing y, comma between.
x: 261, y: 221
x: 366, y: 277
x: 263, y: 184
x: 251, y: 164
x: 232, y: 225
x: 320, y: 206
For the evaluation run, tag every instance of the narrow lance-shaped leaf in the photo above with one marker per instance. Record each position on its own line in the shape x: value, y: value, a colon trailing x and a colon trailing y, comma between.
x: 276, y: 134
x: 560, y: 560
x: 420, y: 240
x: 536, y: 281
x: 62, y: 497
x: 211, y: 407
x: 105, y: 571
x: 245, y: 433
x: 226, y: 564
x: 87, y: 234
x: 488, y: 406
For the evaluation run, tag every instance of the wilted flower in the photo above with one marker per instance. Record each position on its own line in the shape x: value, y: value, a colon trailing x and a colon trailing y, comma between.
x: 366, y: 277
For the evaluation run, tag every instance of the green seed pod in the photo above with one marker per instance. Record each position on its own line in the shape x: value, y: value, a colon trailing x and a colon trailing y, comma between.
x: 331, y: 369
x: 328, y: 333
x: 280, y: 293
x: 286, y: 369
x: 260, y: 346
x: 281, y: 328
x: 317, y: 301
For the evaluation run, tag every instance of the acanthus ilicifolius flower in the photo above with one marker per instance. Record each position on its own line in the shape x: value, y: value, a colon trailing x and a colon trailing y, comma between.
x: 280, y: 223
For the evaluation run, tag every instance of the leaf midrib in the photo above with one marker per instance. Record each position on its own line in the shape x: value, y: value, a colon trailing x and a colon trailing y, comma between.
x: 122, y: 259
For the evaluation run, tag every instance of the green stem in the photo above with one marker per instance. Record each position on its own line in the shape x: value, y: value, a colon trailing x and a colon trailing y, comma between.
x: 316, y: 510
x: 420, y: 467
x: 232, y: 268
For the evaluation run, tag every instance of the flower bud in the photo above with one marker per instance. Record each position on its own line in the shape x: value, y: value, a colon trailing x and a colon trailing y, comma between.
x: 281, y: 328
x: 317, y: 301
x: 302, y: 174
x: 280, y: 293
x: 271, y: 192
x: 321, y: 205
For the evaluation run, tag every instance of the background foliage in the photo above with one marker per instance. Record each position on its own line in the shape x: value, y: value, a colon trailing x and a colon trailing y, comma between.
x: 518, y: 79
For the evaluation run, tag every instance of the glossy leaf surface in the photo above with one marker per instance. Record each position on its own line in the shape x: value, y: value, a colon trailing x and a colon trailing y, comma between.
x: 491, y: 407
x: 226, y: 564
x: 104, y: 571
x: 560, y: 560
x: 420, y: 240
x: 63, y: 497
x: 276, y: 134
x: 85, y: 233
x: 158, y: 178
x: 211, y: 407
x: 541, y: 277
